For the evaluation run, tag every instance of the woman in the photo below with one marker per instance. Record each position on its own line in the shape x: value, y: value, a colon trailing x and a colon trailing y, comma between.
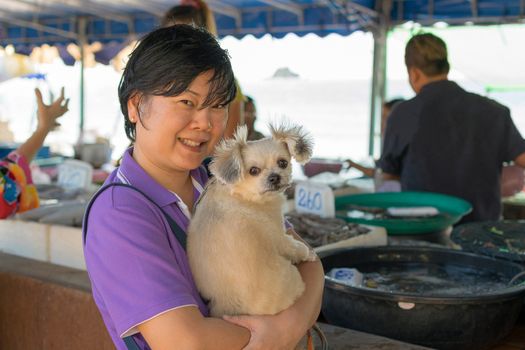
x: 174, y: 95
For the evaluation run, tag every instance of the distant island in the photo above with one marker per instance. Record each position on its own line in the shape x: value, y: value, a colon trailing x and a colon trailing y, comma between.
x: 284, y: 72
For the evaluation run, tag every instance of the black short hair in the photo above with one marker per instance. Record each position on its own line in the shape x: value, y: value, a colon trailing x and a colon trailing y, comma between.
x: 427, y: 52
x: 167, y: 61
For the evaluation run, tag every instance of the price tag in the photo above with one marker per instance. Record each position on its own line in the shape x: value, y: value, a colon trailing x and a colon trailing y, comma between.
x: 314, y: 198
x: 74, y: 174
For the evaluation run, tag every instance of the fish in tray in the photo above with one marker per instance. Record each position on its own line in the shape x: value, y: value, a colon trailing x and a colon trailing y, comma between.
x: 69, y: 213
x: 53, y: 191
x: 317, y: 231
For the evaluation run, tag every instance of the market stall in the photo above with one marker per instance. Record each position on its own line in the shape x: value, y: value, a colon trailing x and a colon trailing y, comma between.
x: 51, y: 233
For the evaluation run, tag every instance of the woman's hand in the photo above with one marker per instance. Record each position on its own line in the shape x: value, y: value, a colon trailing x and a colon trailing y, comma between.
x: 48, y: 114
x: 278, y: 332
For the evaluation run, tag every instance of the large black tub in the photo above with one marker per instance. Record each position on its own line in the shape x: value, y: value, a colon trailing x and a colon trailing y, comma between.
x: 448, y: 318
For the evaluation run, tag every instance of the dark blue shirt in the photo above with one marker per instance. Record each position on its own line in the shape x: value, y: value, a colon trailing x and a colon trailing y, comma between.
x: 450, y: 141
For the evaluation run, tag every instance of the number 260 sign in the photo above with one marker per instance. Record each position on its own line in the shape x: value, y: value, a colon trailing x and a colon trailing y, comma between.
x: 314, y: 199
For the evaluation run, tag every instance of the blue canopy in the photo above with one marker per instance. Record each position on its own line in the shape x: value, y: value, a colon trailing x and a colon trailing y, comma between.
x: 26, y: 23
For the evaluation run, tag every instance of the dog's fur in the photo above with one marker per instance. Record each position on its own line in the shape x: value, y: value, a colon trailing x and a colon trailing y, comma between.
x: 240, y: 255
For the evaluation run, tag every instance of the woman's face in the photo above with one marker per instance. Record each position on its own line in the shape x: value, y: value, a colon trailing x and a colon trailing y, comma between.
x: 175, y: 133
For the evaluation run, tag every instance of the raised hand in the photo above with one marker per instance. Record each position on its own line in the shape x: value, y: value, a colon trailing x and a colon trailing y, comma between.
x: 48, y: 114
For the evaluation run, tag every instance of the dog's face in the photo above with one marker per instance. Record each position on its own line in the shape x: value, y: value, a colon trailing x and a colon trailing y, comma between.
x: 266, y: 168
x: 258, y: 169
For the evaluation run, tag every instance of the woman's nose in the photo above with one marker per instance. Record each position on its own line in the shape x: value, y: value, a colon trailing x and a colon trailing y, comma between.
x: 202, y: 119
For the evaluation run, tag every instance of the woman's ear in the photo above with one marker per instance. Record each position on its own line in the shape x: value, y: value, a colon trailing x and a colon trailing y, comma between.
x: 133, y: 108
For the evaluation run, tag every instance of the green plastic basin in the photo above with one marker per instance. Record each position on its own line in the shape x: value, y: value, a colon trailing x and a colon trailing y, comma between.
x: 451, y: 209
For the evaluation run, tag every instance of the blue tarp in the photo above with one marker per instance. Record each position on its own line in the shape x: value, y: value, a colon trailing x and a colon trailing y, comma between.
x: 236, y: 18
x: 118, y: 21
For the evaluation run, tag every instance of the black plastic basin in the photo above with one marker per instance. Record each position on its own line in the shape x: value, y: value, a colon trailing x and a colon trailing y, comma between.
x: 438, y: 320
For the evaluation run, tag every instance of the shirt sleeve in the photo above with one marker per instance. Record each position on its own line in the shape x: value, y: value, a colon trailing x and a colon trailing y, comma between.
x: 393, y: 148
x: 130, y: 261
x: 514, y: 142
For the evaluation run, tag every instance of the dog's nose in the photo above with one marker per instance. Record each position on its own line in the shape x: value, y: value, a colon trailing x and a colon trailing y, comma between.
x: 274, y: 179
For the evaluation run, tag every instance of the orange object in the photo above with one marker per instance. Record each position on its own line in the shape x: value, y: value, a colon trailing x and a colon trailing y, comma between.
x: 28, y: 199
x: 309, y: 340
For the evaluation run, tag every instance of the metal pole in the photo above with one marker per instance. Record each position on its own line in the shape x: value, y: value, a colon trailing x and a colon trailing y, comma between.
x: 81, y: 42
x: 377, y: 95
x: 378, y: 86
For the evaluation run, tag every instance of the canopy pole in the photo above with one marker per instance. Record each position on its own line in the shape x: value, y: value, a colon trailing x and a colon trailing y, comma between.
x: 82, y: 41
x: 377, y: 95
x: 378, y: 86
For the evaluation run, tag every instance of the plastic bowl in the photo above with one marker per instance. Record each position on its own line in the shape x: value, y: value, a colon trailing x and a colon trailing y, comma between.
x: 452, y: 209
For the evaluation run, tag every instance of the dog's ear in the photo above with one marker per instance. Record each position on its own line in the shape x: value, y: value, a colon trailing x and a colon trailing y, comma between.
x: 298, y: 141
x: 227, y: 164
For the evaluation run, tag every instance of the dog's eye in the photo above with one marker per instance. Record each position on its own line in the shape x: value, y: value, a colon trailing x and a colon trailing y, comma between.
x: 254, y: 171
x: 282, y: 163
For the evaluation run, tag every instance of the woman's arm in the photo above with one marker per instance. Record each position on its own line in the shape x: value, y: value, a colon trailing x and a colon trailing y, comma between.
x: 313, y: 276
x: 186, y: 328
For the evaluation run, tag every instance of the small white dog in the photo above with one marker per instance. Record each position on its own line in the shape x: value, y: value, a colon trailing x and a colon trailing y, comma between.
x: 240, y: 255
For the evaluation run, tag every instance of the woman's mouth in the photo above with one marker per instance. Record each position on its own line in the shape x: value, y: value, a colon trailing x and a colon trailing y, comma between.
x: 195, y: 145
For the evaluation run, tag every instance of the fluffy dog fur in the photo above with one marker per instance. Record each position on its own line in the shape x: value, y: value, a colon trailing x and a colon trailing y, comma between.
x: 240, y: 255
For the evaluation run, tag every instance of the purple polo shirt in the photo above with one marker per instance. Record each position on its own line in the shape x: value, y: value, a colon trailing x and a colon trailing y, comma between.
x: 137, y: 268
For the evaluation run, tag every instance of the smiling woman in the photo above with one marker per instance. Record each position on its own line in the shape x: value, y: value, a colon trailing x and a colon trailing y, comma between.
x: 174, y: 95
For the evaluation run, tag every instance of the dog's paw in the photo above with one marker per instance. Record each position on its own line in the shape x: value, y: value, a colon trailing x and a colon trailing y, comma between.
x: 312, y: 256
x: 308, y: 254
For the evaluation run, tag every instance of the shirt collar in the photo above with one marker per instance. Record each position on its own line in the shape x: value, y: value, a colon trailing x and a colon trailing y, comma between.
x: 132, y: 173
x: 437, y: 84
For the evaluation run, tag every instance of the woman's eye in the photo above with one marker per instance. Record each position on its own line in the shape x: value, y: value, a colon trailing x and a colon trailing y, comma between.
x: 254, y: 171
x: 219, y: 106
x: 187, y: 103
x: 282, y: 163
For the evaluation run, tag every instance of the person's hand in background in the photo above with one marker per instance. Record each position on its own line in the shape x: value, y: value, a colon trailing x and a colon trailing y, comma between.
x: 48, y: 114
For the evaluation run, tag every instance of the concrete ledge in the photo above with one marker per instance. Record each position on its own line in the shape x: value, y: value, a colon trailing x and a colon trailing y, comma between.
x: 45, y: 306
x: 49, y: 307
x: 57, y: 244
x: 65, y: 246
x: 27, y: 239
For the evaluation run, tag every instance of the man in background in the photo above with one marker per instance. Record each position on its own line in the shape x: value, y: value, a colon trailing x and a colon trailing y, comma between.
x: 446, y: 139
